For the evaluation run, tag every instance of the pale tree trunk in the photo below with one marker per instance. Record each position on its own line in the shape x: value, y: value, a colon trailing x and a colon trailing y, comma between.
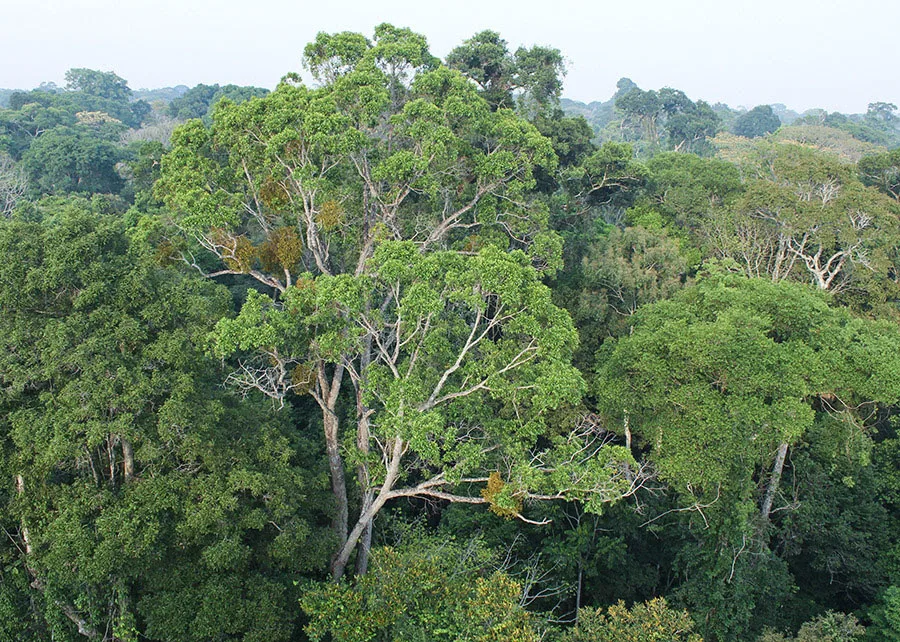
x: 127, y: 459
x: 363, y: 549
x: 627, y: 432
x: 578, y: 589
x: 364, y: 522
x: 774, y: 481
x: 94, y: 467
x: 362, y: 470
x: 20, y: 490
x: 111, y: 456
x: 362, y: 473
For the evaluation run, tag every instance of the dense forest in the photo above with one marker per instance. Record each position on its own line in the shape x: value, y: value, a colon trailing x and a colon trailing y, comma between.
x: 418, y: 350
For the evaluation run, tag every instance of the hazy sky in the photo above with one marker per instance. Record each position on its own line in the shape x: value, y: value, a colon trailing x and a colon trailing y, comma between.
x: 805, y: 53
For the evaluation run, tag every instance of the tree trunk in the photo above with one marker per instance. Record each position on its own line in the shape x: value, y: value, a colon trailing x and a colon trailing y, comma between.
x: 93, y: 465
x: 627, y: 432
x: 20, y: 490
x: 127, y: 459
x: 328, y: 398
x: 339, y: 565
x: 578, y: 589
x: 363, y: 413
x: 362, y: 473
x: 111, y: 456
x: 774, y: 481
x: 362, y: 551
x: 336, y: 468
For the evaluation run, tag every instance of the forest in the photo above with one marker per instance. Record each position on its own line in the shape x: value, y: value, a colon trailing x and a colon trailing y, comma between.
x: 416, y: 349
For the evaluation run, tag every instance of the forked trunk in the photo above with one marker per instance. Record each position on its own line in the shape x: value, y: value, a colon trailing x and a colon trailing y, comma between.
x: 364, y: 523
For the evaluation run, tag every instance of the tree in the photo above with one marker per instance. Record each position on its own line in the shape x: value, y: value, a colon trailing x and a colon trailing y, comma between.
x: 330, y: 56
x: 701, y: 407
x: 804, y: 216
x: 539, y: 72
x: 468, y: 355
x: 759, y: 121
x: 883, y: 115
x: 19, y: 128
x: 535, y: 72
x: 718, y: 383
x: 642, y: 109
x: 689, y: 128
x: 308, y: 192
x: 652, y: 621
x: 686, y: 189
x: 98, y: 83
x: 882, y: 171
x: 198, y: 101
x: 885, y: 617
x: 13, y: 185
x: 608, y: 173
x: 194, y: 103
x: 839, y: 528
x: 829, y: 627
x: 485, y: 59
x: 622, y: 271
x: 139, y: 498
x: 72, y: 159
x: 424, y: 589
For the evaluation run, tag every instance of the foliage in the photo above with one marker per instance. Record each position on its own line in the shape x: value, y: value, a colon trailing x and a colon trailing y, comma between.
x: 434, y: 299
x: 804, y: 216
x: 72, y: 159
x: 135, y: 484
x: 885, y: 617
x: 723, y: 372
x: 535, y: 73
x: 883, y: 172
x: 757, y: 122
x: 424, y: 589
x: 652, y: 621
x: 827, y: 139
x: 623, y: 271
x: 830, y: 627
x: 98, y: 83
x: 198, y: 101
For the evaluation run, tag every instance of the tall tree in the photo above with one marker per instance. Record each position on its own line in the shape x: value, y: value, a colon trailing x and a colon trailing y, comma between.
x: 882, y: 171
x: 718, y: 383
x: 534, y: 73
x: 804, y: 215
x: 300, y: 189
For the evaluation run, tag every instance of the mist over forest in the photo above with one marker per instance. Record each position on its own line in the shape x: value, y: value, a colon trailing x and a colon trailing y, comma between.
x: 410, y: 348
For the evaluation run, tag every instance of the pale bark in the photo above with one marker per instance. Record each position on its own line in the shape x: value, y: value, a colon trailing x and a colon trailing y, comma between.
x: 774, y: 481
x: 365, y: 519
x: 362, y: 471
x: 127, y: 460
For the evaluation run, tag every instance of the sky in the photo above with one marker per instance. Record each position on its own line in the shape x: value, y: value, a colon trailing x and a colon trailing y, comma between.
x: 836, y: 55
